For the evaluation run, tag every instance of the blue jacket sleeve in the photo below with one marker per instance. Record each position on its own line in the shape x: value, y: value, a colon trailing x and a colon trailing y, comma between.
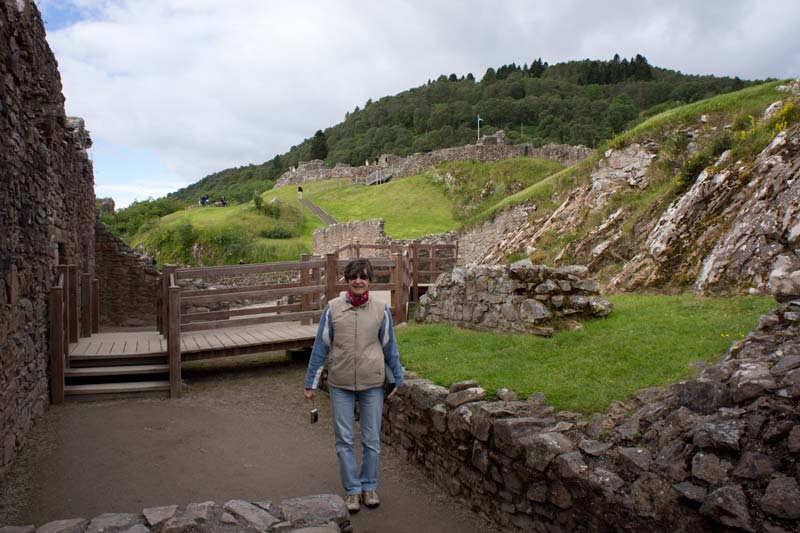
x: 390, y: 353
x: 322, y: 346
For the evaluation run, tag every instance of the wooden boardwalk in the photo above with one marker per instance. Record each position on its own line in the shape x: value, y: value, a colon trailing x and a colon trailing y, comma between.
x: 204, y: 344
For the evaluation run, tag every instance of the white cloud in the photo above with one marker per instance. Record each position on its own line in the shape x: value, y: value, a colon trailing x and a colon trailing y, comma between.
x: 207, y: 85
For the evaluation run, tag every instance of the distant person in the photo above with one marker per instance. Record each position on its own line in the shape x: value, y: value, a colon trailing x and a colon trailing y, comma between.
x: 203, y: 200
x: 299, y: 193
x: 223, y: 201
x: 356, y: 337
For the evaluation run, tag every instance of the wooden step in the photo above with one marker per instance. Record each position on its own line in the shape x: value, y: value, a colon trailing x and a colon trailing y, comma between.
x: 115, y: 370
x: 112, y: 388
x: 79, y: 361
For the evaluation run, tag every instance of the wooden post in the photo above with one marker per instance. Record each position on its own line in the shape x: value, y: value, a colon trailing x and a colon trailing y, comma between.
x: 72, y: 302
x: 57, y: 354
x: 86, y: 305
x: 305, y: 299
x: 331, y: 277
x: 315, y: 280
x: 434, y: 273
x: 415, y: 268
x: 95, y: 305
x: 63, y: 275
x: 455, y: 256
x: 402, y: 292
x: 166, y: 274
x: 174, y: 341
x: 358, y: 249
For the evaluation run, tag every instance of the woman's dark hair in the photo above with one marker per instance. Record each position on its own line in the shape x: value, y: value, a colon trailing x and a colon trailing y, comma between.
x: 357, y: 266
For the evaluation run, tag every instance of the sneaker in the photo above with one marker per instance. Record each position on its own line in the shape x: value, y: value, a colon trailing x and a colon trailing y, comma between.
x: 353, y: 502
x: 371, y: 498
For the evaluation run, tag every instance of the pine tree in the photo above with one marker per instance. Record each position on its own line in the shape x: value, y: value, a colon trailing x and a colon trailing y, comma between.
x: 319, y: 146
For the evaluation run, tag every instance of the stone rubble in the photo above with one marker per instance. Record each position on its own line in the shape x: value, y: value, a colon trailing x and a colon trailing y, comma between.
x: 322, y: 513
x: 521, y: 297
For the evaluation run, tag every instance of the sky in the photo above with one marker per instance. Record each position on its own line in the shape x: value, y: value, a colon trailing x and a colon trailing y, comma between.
x: 174, y: 90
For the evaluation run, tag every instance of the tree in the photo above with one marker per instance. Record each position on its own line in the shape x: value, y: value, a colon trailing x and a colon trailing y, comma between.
x: 319, y: 146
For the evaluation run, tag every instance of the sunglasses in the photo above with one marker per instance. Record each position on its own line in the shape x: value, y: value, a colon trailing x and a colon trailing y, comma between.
x: 360, y: 276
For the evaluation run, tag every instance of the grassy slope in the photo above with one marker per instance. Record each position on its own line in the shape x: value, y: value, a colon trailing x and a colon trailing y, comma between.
x: 230, y: 233
x: 411, y: 207
x: 647, y: 340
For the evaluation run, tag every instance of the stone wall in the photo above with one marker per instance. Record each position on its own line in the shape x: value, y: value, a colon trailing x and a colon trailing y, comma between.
x: 521, y: 297
x: 320, y: 513
x: 47, y: 215
x: 478, y: 242
x: 401, y: 167
x: 329, y: 238
x: 128, y: 282
x: 717, y: 453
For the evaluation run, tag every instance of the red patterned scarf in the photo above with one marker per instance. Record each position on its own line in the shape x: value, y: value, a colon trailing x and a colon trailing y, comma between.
x: 355, y: 301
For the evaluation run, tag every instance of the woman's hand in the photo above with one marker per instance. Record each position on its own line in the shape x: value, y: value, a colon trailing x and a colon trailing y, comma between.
x: 309, y: 394
x: 394, y: 391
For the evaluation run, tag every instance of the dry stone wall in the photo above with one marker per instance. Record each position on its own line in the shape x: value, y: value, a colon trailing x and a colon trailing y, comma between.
x: 128, y: 282
x: 493, y: 148
x: 521, y: 297
x: 47, y: 214
x: 717, y: 453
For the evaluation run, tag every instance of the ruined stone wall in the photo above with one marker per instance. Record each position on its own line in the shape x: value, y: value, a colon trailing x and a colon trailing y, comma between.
x: 717, y: 453
x: 521, y: 297
x: 47, y: 214
x: 478, y: 242
x: 402, y: 167
x: 331, y: 237
x: 128, y: 282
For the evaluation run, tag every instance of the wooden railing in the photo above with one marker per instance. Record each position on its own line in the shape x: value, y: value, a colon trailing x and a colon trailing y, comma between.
x: 70, y: 308
x: 310, y: 283
x: 425, y: 261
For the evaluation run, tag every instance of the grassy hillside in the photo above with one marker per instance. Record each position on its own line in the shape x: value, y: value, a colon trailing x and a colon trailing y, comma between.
x: 411, y: 207
x: 577, y: 102
x: 227, y: 235
x: 746, y: 135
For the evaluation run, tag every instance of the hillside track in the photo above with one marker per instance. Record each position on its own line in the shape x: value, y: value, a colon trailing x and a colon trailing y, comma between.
x: 325, y: 217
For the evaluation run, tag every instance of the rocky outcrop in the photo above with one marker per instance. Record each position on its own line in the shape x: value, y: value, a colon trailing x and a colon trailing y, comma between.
x: 521, y: 297
x: 322, y: 513
x: 489, y: 148
x: 618, y: 170
x: 717, y: 453
x: 46, y: 218
x: 735, y: 225
x: 728, y: 231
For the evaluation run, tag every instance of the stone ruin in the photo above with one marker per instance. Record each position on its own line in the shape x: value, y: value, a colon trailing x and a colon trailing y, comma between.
x: 489, y: 148
x: 522, y: 297
x: 716, y: 453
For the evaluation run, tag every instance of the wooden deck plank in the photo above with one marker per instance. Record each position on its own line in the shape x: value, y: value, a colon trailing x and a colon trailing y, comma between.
x: 231, y: 340
x: 202, y: 342
x: 248, y: 339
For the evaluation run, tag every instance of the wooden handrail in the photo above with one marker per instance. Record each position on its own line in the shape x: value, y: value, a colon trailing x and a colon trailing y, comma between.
x: 257, y: 268
x: 86, y: 304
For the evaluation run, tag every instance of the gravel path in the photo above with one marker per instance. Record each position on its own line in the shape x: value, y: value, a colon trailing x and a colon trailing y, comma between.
x: 240, y: 430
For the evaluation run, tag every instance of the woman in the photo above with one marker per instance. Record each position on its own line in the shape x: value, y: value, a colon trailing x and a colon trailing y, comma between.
x: 356, y: 334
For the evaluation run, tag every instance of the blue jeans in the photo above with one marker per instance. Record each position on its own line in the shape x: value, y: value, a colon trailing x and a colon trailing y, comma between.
x: 370, y: 409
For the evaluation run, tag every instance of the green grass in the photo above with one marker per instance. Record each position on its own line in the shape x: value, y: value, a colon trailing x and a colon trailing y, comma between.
x: 410, y: 207
x: 226, y: 235
x: 473, y: 185
x: 647, y: 340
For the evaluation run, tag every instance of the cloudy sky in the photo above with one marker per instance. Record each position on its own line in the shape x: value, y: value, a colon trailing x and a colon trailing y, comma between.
x: 173, y: 90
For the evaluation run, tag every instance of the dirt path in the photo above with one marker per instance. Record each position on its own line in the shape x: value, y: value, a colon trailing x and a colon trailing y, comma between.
x: 237, y: 432
x: 317, y: 210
